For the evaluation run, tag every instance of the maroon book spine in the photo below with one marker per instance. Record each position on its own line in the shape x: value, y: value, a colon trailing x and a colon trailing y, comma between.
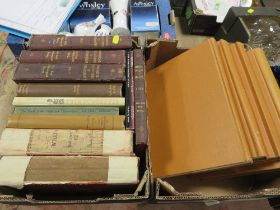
x: 141, y: 132
x: 74, y: 56
x: 132, y: 96
x: 60, y: 42
x: 70, y: 73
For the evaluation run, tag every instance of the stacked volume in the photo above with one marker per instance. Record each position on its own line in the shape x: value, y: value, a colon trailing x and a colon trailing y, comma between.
x: 74, y: 114
x: 222, y: 113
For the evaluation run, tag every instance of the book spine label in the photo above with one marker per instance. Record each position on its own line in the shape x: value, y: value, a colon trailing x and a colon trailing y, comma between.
x: 69, y: 72
x: 66, y: 122
x: 67, y: 110
x: 87, y: 57
x: 65, y: 142
x: 60, y: 42
x: 141, y: 134
x: 69, y: 101
x: 69, y: 90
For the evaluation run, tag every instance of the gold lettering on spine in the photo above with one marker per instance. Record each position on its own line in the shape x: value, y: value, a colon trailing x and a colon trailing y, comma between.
x: 76, y: 89
x: 81, y: 40
x: 57, y: 55
x: 48, y: 55
x: 97, y: 74
x: 102, y: 41
x: 85, y: 67
x: 93, y: 72
x: 47, y: 70
x: 87, y: 56
x: 106, y: 41
x: 68, y: 55
x: 95, y: 41
x: 52, y: 56
x: 94, y: 57
x: 99, y: 56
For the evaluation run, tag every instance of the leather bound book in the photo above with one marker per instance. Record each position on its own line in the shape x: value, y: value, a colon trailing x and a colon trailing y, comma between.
x: 69, y: 90
x: 69, y: 73
x: 65, y: 142
x: 127, y: 93
x: 73, y: 56
x: 69, y: 101
x: 60, y: 42
x: 94, y: 122
x: 141, y: 134
x: 68, y: 110
x: 131, y: 93
x: 71, y: 172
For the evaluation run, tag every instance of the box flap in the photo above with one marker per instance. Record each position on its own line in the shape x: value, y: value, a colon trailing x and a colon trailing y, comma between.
x: 186, y: 107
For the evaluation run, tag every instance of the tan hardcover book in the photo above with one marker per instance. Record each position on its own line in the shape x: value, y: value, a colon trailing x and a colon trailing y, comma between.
x: 245, y: 110
x: 70, y: 171
x: 95, y: 122
x: 65, y: 142
x: 251, y: 99
x: 192, y: 126
x: 69, y: 101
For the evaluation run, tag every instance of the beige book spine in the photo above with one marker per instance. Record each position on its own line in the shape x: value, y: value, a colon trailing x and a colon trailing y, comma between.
x: 65, y: 142
x: 69, y: 101
x: 112, y: 170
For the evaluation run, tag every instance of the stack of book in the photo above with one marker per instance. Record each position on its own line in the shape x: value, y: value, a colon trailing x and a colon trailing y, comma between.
x: 74, y: 114
x: 221, y: 112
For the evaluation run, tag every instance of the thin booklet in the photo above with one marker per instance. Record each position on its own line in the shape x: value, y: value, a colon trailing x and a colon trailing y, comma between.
x: 26, y: 17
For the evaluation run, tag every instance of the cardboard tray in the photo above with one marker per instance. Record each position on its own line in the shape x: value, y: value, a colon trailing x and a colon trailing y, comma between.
x: 193, y: 188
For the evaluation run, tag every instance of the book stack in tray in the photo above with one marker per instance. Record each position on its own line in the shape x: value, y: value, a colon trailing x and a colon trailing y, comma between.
x: 73, y: 123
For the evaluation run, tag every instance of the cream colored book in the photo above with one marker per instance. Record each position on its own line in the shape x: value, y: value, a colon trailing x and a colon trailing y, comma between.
x: 15, y: 141
x: 78, y: 172
x: 69, y: 101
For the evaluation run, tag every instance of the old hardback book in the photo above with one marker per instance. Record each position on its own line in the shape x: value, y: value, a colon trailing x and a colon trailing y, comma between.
x: 73, y: 56
x: 60, y: 42
x: 69, y: 73
x: 128, y: 92
x: 69, y: 101
x: 69, y: 90
x: 67, y: 110
x: 65, y: 142
x: 69, y: 171
x: 222, y: 113
x: 140, y: 107
x: 95, y: 122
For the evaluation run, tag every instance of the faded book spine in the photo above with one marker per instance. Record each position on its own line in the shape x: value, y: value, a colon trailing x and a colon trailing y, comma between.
x: 69, y: 101
x: 60, y: 42
x: 69, y: 90
x: 65, y: 142
x: 47, y: 110
x: 141, y: 134
x: 69, y: 73
x: 66, y: 122
x: 73, y: 56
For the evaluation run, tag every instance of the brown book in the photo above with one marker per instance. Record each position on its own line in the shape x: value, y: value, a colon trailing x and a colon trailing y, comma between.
x: 60, y: 42
x: 69, y: 90
x: 67, y: 171
x: 68, y: 142
x: 95, y: 122
x: 69, y: 73
x: 140, y: 101
x: 73, y: 56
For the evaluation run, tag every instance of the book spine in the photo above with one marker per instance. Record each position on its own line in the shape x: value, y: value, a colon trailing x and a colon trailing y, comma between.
x: 69, y: 90
x: 132, y: 94
x: 141, y: 133
x: 66, y: 122
x: 67, y: 110
x: 65, y: 142
x: 60, y: 42
x: 69, y: 73
x: 74, y: 56
x: 93, y: 171
x: 69, y: 101
x: 127, y: 93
